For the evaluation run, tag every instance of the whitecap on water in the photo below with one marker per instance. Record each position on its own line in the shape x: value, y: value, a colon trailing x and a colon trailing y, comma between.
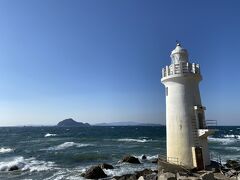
x: 23, y: 164
x: 224, y: 141
x: 233, y: 148
x: 135, y: 140
x: 229, y: 136
x: 49, y: 135
x: 5, y: 150
x: 152, y: 157
x: 232, y: 136
x: 67, y: 145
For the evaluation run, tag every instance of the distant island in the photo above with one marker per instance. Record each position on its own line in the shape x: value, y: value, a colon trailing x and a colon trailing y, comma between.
x: 128, y: 123
x: 72, y: 123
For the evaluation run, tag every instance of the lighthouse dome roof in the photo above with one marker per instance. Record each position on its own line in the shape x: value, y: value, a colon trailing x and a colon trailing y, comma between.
x: 179, y: 49
x: 179, y: 54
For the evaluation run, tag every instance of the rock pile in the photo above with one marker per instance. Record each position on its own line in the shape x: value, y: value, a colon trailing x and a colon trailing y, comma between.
x: 229, y: 171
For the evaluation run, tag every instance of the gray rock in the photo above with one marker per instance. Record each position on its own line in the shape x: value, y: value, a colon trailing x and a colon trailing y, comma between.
x: 95, y: 172
x: 155, y: 161
x: 106, y: 166
x: 167, y: 176
x: 186, y: 176
x: 233, y: 164
x: 149, y: 177
x: 126, y: 177
x: 131, y: 159
x: 143, y: 172
x: 152, y: 176
x: 144, y: 157
x: 231, y: 173
x: 13, y: 168
x: 207, y: 176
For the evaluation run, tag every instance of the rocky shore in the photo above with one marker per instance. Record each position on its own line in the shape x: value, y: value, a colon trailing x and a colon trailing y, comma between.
x: 165, y: 171
x: 216, y: 171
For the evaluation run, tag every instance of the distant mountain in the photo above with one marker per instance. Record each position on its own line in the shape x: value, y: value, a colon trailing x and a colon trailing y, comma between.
x: 129, y: 123
x: 72, y: 123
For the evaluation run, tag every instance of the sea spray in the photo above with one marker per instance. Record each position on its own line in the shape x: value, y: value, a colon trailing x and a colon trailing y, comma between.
x: 5, y: 150
x: 67, y: 145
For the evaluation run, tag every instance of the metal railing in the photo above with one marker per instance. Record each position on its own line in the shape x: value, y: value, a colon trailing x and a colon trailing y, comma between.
x: 181, y: 68
x: 211, y: 123
x: 172, y: 161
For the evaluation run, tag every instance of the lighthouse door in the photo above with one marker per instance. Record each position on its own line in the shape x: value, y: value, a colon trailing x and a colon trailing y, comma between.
x: 199, y: 158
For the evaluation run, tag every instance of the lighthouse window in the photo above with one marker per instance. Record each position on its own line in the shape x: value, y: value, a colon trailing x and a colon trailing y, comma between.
x: 166, y: 91
x: 200, y: 121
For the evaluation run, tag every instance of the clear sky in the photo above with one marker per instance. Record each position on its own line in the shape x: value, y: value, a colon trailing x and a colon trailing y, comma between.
x: 100, y: 60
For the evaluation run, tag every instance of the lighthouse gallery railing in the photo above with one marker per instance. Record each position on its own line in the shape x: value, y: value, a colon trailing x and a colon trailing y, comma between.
x: 181, y: 68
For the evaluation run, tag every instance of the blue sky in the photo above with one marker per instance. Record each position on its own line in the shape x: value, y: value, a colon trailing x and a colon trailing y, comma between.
x: 100, y: 60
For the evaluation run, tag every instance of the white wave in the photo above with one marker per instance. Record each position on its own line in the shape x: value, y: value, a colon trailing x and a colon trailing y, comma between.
x: 224, y: 141
x: 233, y: 148
x: 232, y: 136
x: 126, y: 168
x: 229, y: 136
x: 149, y: 157
x: 23, y: 164
x: 48, y: 135
x: 64, y: 173
x: 135, y: 140
x: 5, y: 150
x: 67, y: 145
x: 152, y: 157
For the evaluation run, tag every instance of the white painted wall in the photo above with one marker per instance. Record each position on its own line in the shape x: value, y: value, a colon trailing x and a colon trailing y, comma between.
x: 183, y: 95
x: 181, y: 80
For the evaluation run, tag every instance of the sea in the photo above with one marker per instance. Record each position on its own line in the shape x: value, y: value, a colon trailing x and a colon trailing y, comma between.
x: 56, y: 153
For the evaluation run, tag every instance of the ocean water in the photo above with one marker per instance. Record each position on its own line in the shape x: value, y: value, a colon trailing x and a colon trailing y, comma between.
x: 64, y: 153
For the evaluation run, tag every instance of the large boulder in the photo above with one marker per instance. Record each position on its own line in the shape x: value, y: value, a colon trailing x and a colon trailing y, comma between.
x: 95, y: 172
x: 131, y: 159
x: 167, y: 176
x: 106, y: 166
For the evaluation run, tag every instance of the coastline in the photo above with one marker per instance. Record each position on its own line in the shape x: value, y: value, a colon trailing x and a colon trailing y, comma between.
x: 167, y: 171
x: 55, y: 152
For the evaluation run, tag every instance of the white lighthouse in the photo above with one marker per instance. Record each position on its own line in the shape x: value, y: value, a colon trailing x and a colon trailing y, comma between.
x: 185, y: 121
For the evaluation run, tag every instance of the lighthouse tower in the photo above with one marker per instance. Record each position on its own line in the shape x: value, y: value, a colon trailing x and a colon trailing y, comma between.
x: 185, y: 121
